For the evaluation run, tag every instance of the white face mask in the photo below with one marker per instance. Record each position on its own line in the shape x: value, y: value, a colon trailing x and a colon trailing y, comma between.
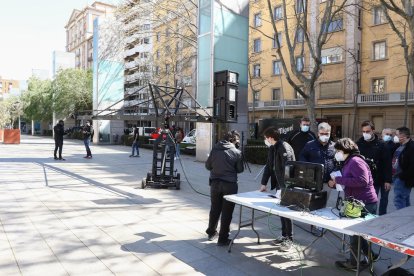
x: 386, y: 138
x: 339, y: 156
x: 324, y: 138
x: 267, y: 143
x: 367, y: 136
x: 396, y: 139
x: 304, y: 128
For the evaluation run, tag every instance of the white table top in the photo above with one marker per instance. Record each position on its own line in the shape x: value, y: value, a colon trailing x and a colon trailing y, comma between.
x: 322, y: 218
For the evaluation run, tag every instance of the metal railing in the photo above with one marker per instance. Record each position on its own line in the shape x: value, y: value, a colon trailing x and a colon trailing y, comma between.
x: 384, y: 97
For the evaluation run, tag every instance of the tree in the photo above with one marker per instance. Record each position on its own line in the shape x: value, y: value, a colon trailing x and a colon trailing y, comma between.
x: 10, y: 110
x: 37, y: 100
x: 400, y: 16
x: 305, y: 32
x: 72, y: 92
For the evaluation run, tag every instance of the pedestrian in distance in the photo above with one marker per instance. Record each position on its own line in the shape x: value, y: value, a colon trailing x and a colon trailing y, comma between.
x: 359, y: 184
x: 59, y: 132
x: 224, y: 163
x: 279, y: 153
x: 298, y: 138
x: 371, y: 147
x: 135, y: 142
x: 179, y: 136
x: 403, y: 168
x: 87, y: 132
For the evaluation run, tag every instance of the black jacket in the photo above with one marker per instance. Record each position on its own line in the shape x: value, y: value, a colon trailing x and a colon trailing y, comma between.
x: 224, y: 162
x: 298, y: 139
x: 59, y: 132
x: 277, y: 157
x: 406, y: 161
x: 391, y: 146
x: 87, y: 132
x: 377, y: 151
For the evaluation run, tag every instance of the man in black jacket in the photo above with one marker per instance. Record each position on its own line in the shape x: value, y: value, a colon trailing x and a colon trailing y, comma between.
x: 59, y: 132
x: 403, y: 168
x: 298, y: 138
x: 224, y: 163
x: 371, y: 147
x: 87, y: 134
x: 279, y: 153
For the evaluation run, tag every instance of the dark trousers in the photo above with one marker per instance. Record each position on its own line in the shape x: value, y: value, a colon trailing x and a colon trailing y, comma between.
x: 287, y: 231
x: 383, y: 204
x: 86, y: 141
x: 372, y: 208
x: 58, y: 145
x: 220, y: 206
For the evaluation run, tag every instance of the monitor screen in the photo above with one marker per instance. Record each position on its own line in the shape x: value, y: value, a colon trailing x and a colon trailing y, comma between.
x: 304, y: 175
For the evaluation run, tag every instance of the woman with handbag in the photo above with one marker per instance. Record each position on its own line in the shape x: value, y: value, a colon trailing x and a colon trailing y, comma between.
x: 358, y: 184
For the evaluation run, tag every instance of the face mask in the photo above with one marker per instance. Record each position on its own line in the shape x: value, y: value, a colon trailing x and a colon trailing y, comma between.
x: 339, y: 156
x: 304, y: 128
x: 367, y: 136
x: 324, y: 138
x: 396, y: 139
x: 386, y: 138
x: 267, y: 143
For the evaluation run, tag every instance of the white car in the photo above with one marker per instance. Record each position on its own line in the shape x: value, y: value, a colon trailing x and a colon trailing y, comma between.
x: 190, y: 138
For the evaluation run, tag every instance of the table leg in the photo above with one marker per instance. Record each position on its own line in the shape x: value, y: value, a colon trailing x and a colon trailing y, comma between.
x: 238, y: 230
x: 358, y: 256
x: 257, y: 234
x: 370, y: 261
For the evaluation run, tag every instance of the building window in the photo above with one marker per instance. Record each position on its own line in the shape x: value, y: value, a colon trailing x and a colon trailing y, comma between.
x: 167, y: 49
x: 379, y: 15
x: 332, y: 55
x: 158, y: 36
x: 297, y: 95
x: 167, y: 69
x: 157, y: 70
x: 300, y: 6
x: 146, y: 40
x: 256, y: 70
x: 276, y: 94
x: 380, y: 49
x: 257, y: 45
x: 146, y: 27
x: 330, y: 90
x: 278, y: 13
x: 335, y: 25
x: 257, y: 20
x: 277, y: 64
x: 167, y: 32
x: 256, y: 95
x: 378, y: 85
x: 157, y: 54
x: 299, y: 35
x: 299, y: 63
x: 279, y: 38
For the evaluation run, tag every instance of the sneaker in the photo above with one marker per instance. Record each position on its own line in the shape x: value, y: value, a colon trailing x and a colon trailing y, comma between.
x: 137, y: 155
x: 63, y: 159
x: 286, y: 245
x: 212, y: 236
x: 131, y: 155
x: 278, y: 241
x: 56, y: 158
x: 348, y: 265
x: 89, y: 157
x: 224, y: 243
x: 86, y: 157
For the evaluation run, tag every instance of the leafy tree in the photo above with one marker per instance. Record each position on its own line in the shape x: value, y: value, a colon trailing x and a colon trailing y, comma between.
x: 10, y: 110
x: 37, y: 100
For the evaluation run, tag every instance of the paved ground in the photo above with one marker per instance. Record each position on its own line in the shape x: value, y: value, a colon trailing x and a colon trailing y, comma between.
x: 87, y: 217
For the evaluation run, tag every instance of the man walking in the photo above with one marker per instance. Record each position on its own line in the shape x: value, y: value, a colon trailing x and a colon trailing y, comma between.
x: 371, y: 147
x: 224, y: 163
x: 59, y: 132
x: 298, y: 138
x: 403, y: 168
x: 87, y: 133
x: 135, y: 143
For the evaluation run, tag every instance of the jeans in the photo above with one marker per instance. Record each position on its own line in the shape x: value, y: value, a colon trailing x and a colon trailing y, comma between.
x: 401, y: 194
x: 177, y: 149
x: 86, y: 141
x: 384, y: 198
x: 135, y: 147
x: 221, y: 206
x: 58, y: 145
x: 372, y: 208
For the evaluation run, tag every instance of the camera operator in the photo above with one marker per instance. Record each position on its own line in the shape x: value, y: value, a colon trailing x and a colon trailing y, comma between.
x: 224, y: 163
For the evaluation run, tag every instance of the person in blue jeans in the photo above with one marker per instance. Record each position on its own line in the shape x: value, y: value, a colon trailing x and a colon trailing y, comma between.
x: 403, y: 168
x: 135, y: 143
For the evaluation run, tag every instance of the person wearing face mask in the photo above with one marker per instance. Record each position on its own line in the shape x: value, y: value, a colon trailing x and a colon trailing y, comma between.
x: 224, y: 163
x: 279, y: 153
x: 373, y: 148
x: 391, y: 141
x: 359, y: 184
x: 403, y: 168
x: 298, y: 138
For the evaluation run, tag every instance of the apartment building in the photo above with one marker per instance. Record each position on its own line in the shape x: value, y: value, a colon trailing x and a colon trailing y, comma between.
x: 362, y: 75
x: 79, y: 32
x: 8, y: 85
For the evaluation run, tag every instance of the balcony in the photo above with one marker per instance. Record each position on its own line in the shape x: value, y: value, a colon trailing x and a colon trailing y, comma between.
x: 384, y: 98
x: 279, y: 103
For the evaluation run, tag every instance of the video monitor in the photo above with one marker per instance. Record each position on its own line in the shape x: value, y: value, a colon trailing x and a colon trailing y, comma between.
x: 304, y: 175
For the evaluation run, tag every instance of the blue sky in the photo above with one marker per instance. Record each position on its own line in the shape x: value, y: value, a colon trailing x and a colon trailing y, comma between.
x: 30, y: 30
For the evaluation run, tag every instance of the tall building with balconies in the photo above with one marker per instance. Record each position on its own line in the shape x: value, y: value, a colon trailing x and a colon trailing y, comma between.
x: 79, y: 32
x: 362, y: 77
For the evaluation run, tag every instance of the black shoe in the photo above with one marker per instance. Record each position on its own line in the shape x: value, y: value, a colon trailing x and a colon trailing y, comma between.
x: 56, y: 158
x: 348, y: 265
x: 63, y: 159
x: 212, y: 236
x: 224, y: 243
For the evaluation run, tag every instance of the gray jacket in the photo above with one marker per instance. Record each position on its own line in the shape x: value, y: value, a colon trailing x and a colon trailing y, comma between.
x: 224, y: 162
